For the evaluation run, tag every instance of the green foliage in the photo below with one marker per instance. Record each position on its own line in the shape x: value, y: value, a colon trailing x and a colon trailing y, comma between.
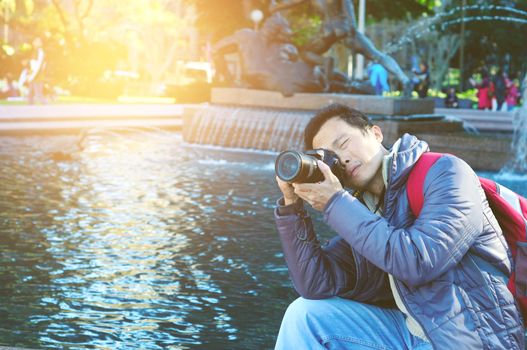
x: 306, y: 23
x: 217, y: 19
x: 85, y: 40
x: 306, y: 27
x: 377, y: 10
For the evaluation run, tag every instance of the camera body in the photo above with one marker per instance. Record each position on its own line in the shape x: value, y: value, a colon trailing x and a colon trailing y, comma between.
x: 297, y: 167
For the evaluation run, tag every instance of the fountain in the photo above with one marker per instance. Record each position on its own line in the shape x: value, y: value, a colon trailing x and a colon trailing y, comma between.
x: 448, y: 18
x: 266, y: 120
x: 518, y: 163
x: 109, y: 240
x: 270, y: 120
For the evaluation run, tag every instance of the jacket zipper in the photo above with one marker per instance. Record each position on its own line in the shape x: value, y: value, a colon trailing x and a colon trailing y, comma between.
x: 385, y: 200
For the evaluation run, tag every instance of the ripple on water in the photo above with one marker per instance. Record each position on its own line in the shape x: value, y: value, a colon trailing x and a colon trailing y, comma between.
x: 136, y: 240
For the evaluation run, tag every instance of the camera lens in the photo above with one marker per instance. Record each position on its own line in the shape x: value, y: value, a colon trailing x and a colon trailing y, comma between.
x: 288, y: 165
x: 293, y: 166
x: 298, y: 167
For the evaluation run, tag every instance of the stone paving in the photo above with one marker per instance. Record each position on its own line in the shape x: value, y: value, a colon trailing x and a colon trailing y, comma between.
x: 31, y: 119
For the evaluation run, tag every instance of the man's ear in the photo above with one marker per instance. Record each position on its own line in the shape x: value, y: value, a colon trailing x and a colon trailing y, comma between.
x: 377, y: 132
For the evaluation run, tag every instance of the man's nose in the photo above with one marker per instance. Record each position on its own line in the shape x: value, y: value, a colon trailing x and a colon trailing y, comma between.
x: 343, y: 159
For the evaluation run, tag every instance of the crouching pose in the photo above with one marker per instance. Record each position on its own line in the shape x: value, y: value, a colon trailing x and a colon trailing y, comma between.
x: 389, y: 280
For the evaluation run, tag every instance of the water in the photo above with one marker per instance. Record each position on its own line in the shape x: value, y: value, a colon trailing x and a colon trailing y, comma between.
x: 443, y: 19
x: 137, y: 241
x: 254, y: 128
x: 518, y: 162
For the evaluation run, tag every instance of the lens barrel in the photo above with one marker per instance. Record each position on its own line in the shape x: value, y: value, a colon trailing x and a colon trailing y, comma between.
x: 293, y: 166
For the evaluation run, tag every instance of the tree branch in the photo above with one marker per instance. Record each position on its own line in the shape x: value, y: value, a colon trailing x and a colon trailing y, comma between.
x: 87, y: 10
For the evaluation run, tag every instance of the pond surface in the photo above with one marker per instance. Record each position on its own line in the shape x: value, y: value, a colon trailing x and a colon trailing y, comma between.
x: 137, y: 240
x: 121, y: 241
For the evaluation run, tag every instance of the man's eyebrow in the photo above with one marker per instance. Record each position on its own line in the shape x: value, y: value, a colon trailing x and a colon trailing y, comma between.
x: 337, y: 140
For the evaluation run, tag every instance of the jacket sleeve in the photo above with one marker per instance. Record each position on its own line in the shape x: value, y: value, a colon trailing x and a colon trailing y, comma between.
x: 449, y: 223
x: 319, y: 272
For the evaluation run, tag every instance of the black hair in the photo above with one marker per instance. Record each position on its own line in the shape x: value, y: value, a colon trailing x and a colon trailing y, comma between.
x: 350, y: 115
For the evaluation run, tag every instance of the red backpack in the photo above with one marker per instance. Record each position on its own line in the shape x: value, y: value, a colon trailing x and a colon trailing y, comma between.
x: 509, y: 208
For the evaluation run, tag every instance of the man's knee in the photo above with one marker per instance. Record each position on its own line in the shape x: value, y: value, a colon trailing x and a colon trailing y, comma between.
x: 303, y: 309
x: 299, y: 306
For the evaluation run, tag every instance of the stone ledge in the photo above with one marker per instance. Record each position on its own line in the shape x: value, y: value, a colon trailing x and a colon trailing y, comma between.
x: 481, y: 152
x: 84, y: 111
x: 311, y: 101
x: 73, y: 127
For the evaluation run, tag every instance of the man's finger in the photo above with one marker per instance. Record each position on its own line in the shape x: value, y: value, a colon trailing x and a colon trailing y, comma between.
x: 302, y: 193
x: 307, y: 186
x: 324, y: 168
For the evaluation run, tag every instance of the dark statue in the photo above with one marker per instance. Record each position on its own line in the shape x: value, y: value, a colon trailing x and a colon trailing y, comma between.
x: 339, y: 23
x: 269, y: 60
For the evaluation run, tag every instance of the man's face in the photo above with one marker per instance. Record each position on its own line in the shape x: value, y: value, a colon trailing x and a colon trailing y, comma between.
x: 361, y: 153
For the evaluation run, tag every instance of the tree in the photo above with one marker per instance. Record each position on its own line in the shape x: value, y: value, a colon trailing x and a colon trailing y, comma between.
x: 495, y: 38
x: 84, y: 40
x: 155, y: 34
x: 217, y: 19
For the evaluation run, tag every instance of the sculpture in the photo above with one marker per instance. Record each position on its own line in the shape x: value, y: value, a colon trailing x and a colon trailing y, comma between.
x: 269, y: 60
x: 339, y: 23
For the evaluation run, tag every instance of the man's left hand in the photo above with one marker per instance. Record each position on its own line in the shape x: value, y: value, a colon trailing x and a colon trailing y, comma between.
x: 318, y: 194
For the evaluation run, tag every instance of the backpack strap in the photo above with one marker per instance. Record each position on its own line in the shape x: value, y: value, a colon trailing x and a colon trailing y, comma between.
x: 416, y: 180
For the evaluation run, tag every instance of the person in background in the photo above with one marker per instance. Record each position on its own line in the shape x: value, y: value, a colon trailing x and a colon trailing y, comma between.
x: 421, y: 80
x: 484, y: 93
x: 451, y: 100
x: 500, y: 89
x: 35, y: 77
x: 378, y: 78
x: 513, y: 94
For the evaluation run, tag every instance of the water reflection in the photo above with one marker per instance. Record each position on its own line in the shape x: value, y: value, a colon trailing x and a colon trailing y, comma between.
x: 134, y: 239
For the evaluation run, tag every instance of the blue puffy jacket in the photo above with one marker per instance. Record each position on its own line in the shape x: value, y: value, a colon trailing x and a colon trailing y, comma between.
x: 450, y: 265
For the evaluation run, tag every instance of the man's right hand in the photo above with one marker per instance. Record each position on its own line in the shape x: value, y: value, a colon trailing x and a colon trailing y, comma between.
x: 287, y: 190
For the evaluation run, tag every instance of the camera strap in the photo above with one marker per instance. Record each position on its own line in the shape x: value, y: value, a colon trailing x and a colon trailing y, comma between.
x: 381, y: 200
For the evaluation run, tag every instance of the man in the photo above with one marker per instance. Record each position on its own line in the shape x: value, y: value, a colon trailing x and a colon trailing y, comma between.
x: 451, y: 100
x: 421, y: 80
x: 378, y: 78
x: 444, y: 271
x: 35, y: 77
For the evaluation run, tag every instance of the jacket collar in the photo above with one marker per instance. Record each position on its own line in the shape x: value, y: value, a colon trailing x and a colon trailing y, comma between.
x: 401, y: 163
x: 403, y: 159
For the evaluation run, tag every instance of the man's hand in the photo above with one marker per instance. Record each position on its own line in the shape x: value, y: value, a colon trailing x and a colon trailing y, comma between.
x: 287, y: 190
x: 318, y: 195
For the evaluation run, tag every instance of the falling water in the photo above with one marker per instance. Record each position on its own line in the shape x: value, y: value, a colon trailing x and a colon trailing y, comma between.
x: 451, y: 17
x: 249, y: 128
x: 518, y: 164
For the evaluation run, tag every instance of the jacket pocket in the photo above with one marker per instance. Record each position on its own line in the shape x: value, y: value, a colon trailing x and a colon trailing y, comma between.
x: 520, y: 269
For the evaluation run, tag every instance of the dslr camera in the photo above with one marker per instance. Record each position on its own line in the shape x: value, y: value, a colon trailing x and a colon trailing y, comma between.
x: 297, y: 167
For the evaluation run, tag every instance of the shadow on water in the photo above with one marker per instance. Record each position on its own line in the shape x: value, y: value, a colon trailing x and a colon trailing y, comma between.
x: 137, y: 239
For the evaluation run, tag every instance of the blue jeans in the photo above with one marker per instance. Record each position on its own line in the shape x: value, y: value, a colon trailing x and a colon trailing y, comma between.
x: 338, y: 323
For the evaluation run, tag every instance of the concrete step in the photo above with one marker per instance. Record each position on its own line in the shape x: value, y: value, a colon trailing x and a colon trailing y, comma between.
x: 60, y: 119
